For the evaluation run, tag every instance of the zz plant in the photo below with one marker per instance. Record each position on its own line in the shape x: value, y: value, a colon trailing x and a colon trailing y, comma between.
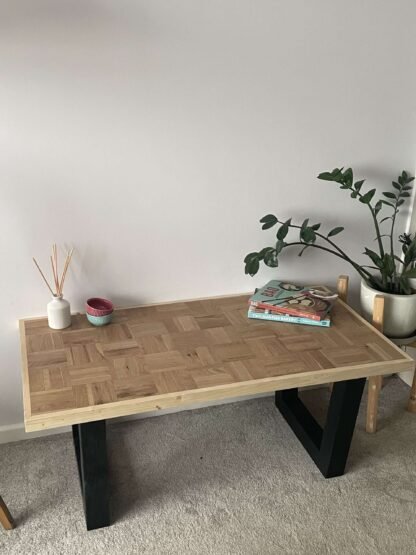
x: 387, y: 272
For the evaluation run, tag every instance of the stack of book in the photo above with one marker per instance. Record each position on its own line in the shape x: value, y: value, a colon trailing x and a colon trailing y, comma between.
x: 294, y: 304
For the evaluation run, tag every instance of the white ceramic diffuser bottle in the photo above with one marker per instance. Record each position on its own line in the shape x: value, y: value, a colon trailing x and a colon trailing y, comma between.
x: 58, y: 309
x: 59, y: 313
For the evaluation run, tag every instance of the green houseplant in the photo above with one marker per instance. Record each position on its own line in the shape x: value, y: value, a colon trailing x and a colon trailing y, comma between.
x: 385, y: 270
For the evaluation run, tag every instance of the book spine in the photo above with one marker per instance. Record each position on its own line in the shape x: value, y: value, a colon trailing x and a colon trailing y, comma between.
x: 280, y: 310
x: 288, y: 319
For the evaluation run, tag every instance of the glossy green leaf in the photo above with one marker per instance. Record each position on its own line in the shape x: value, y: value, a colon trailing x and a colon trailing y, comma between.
x: 348, y: 177
x: 280, y: 245
x: 410, y: 254
x: 282, y: 232
x: 326, y: 176
x: 305, y: 223
x: 264, y: 251
x: 335, y: 231
x: 366, y: 199
x: 335, y: 175
x: 388, y: 194
x: 252, y: 267
x: 250, y: 256
x: 270, y: 259
x: 268, y: 221
x: 378, y: 207
x: 375, y: 258
x: 389, y: 265
x: 308, y: 235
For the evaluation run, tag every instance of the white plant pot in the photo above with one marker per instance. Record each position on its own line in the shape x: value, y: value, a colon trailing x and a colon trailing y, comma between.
x: 59, y: 313
x: 399, y: 311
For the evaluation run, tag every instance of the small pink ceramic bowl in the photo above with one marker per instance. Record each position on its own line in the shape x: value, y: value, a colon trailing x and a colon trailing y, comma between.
x: 99, y: 307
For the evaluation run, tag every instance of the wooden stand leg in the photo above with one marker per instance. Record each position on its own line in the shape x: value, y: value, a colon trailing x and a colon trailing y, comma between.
x: 375, y: 382
x: 5, y: 516
x: 411, y: 406
x: 374, y: 387
x: 342, y: 290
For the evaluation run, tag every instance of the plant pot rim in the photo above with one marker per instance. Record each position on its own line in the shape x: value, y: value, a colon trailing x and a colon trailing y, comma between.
x: 395, y: 295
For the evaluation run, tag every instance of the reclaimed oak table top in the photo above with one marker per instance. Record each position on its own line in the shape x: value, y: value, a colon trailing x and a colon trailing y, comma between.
x: 169, y: 355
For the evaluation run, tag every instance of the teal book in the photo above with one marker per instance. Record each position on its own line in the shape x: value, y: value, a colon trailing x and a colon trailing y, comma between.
x: 262, y: 315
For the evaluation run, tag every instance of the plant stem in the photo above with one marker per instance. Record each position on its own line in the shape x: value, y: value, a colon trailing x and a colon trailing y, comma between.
x: 393, y: 222
x: 342, y: 254
x: 358, y: 268
x: 376, y: 224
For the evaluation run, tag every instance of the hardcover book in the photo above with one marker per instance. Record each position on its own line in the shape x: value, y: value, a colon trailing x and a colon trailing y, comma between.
x: 259, y: 314
x: 280, y: 297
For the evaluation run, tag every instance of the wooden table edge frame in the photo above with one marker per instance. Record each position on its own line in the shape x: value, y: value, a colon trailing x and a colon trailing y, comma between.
x: 375, y: 383
x: 129, y: 407
x: 5, y: 516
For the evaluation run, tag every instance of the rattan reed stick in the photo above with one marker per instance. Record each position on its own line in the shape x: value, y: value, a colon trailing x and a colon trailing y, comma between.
x: 55, y: 250
x: 55, y: 277
x: 68, y: 260
x: 44, y: 279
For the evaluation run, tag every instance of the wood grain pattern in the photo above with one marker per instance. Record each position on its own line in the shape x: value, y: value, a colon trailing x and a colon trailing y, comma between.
x: 375, y: 383
x: 342, y: 288
x: 168, y: 355
x: 5, y: 516
x: 411, y: 406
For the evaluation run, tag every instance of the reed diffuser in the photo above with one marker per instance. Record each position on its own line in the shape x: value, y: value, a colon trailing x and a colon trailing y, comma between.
x: 58, y: 309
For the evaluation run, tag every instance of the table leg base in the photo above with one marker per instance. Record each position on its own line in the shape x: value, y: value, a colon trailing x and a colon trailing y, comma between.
x: 328, y: 446
x: 91, y: 454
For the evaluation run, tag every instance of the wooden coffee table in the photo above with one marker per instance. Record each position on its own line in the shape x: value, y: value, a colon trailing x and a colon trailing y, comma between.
x: 170, y: 355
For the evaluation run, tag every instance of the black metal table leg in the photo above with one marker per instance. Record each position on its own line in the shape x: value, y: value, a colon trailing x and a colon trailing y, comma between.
x: 91, y: 453
x: 328, y: 446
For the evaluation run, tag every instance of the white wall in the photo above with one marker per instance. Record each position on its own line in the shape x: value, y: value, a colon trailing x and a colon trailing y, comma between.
x: 152, y: 135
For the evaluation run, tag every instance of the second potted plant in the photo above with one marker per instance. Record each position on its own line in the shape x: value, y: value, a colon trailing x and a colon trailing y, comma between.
x: 386, y: 271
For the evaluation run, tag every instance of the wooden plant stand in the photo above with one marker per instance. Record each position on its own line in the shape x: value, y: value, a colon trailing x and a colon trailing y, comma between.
x: 411, y: 406
x: 375, y: 383
x: 5, y: 516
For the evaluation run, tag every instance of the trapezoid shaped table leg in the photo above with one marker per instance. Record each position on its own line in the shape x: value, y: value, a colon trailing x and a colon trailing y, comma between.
x: 328, y: 446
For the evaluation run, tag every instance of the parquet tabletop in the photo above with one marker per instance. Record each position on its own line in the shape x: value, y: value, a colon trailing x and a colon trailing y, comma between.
x: 168, y: 355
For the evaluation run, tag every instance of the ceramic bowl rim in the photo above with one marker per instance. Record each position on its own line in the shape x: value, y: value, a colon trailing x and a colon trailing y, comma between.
x: 99, y: 311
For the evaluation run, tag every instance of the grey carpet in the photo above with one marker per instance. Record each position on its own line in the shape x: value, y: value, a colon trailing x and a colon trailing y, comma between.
x: 224, y: 480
